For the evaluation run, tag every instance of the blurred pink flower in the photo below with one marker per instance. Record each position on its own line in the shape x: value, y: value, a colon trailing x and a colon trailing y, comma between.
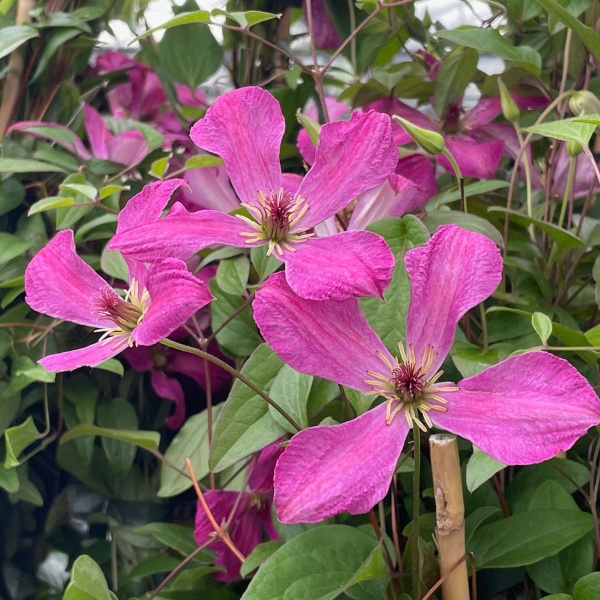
x: 248, y: 514
x: 127, y: 148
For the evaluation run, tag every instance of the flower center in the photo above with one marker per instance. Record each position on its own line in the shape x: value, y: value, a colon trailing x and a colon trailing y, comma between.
x: 275, y: 219
x: 126, y: 313
x: 407, y: 388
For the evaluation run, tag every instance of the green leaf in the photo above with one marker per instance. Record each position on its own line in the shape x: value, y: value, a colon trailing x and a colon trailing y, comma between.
x: 248, y: 18
x: 480, y: 468
x: 187, y: 18
x: 26, y: 165
x: 17, y: 438
x: 240, y: 336
x: 148, y: 440
x: 490, y: 41
x: 326, y: 560
x: 568, y: 130
x: 9, y: 479
x: 526, y: 482
x: 50, y: 203
x: 471, y: 189
x: 388, y: 318
x: 159, y: 167
x: 232, y: 275
x: 113, y: 264
x: 154, y: 564
x: 528, y: 537
x: 178, y: 537
x: 11, y: 246
x: 258, y: 556
x: 563, y: 238
x: 588, y: 587
x: 436, y: 218
x: 456, y: 71
x: 12, y: 194
x: 183, y: 65
x: 190, y: 442
x: 558, y: 597
x: 264, y: 265
x: 476, y: 518
x: 204, y: 160
x: 111, y: 365
x: 245, y: 424
x: 587, y: 35
x: 558, y: 573
x: 53, y: 42
x: 14, y: 36
x: 118, y: 415
x: 542, y: 325
x: 109, y: 190
x: 87, y: 582
x: 290, y: 390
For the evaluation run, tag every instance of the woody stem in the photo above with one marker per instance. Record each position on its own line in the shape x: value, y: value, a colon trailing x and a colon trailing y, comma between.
x: 416, y: 592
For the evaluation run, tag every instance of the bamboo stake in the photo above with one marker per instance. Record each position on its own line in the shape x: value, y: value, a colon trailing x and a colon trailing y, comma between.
x: 12, y: 83
x: 450, y: 516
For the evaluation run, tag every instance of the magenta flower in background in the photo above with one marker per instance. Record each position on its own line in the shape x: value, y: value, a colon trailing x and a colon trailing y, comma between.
x: 160, y: 299
x: 245, y: 128
x: 476, y: 143
x: 523, y: 410
x: 406, y: 190
x: 143, y: 98
x: 127, y: 148
x: 325, y: 34
x: 163, y: 362
x: 248, y: 514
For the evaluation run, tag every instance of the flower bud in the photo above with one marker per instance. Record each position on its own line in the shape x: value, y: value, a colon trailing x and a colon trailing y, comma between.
x: 312, y: 127
x: 574, y: 148
x: 510, y: 110
x: 431, y: 141
x: 584, y: 103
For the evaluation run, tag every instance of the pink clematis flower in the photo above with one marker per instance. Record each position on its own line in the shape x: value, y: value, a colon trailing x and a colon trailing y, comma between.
x: 247, y: 513
x: 127, y: 148
x: 160, y: 299
x: 245, y: 128
x: 476, y: 143
x: 523, y: 410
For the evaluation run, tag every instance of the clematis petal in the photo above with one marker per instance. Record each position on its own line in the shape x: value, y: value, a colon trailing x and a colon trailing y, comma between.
x: 209, y: 187
x: 351, y: 263
x: 60, y: 284
x: 352, y: 157
x: 140, y: 357
x: 90, y: 356
x: 453, y: 272
x: 260, y: 479
x: 523, y: 410
x: 193, y: 367
x: 475, y: 159
x: 421, y: 171
x: 245, y: 127
x: 175, y: 295
x: 486, y: 110
x: 327, y: 470
x: 97, y: 132
x: 324, y: 32
x: 393, y: 198
x: 314, y: 337
x: 147, y: 205
x: 181, y: 235
x: 335, y: 110
x: 290, y: 182
x: 169, y: 388
x: 127, y: 148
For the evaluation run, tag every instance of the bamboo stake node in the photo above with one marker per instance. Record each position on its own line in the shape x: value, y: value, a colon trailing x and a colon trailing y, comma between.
x: 450, y: 516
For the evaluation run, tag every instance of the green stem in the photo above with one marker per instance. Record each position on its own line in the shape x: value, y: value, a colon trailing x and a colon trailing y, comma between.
x: 459, y: 179
x: 484, y: 329
x: 529, y: 200
x: 416, y: 591
x: 217, y: 361
x: 568, y: 186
